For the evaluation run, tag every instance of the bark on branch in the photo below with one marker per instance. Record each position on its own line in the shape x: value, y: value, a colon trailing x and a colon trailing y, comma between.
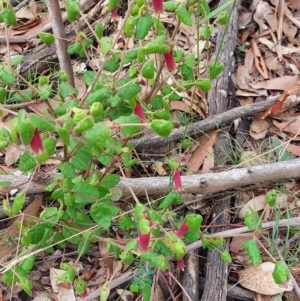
x: 205, y: 184
x: 153, y: 141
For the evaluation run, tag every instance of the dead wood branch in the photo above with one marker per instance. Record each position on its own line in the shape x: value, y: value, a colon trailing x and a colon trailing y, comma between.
x: 152, y: 142
x: 205, y: 184
x: 284, y: 223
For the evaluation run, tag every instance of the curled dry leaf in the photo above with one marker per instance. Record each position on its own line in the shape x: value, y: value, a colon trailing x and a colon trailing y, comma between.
x: 259, y: 129
x: 259, y: 279
x: 257, y: 203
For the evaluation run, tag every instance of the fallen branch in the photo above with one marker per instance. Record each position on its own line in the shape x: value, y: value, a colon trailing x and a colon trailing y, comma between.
x: 284, y: 223
x: 153, y: 141
x: 205, y: 184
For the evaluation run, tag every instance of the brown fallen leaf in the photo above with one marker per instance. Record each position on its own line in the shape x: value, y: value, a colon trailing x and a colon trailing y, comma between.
x: 294, y: 149
x: 290, y: 125
x: 259, y: 279
x: 278, y: 83
x: 200, y: 153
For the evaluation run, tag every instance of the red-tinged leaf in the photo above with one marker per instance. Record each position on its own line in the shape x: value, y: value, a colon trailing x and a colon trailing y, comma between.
x: 170, y: 62
x: 36, y: 143
x: 138, y: 110
x: 158, y: 6
x: 177, y: 180
x: 182, y: 230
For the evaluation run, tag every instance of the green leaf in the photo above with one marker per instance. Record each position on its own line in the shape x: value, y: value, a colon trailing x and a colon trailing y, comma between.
x: 18, y: 202
x: 28, y: 263
x: 80, y: 285
x: 71, y: 235
x: 26, y: 285
x: 214, y: 12
x: 45, y: 92
x: 105, y: 44
x: 67, y: 276
x: 105, y: 291
x: 16, y: 60
x: 162, y: 127
x: 73, y: 10
x: 99, y: 31
x: 271, y: 197
x: 99, y: 96
x: 47, y: 38
x: 103, y: 213
x: 215, y: 69
x: 148, y: 69
x: 84, y: 192
x: 2, y: 94
x: 146, y: 292
x: 126, y: 222
x: 111, y: 66
x: 281, y: 152
x: 6, y: 78
x: 81, y: 158
x: 83, y: 248
x: 170, y: 5
x: 112, y: 4
x: 203, y: 7
x: 157, y: 45
x: 129, y: 91
x: 26, y: 162
x: 50, y: 217
x: 167, y: 91
x: 129, y: 26
x: 41, y: 123
x: 100, y: 132
x: 9, y: 16
x: 281, y: 273
x: 74, y: 48
x: 65, y: 90
x: 64, y: 135
x: 130, y: 129
x: 110, y: 180
x: 253, y: 252
x: 50, y: 145
x: 190, y: 60
x: 252, y: 220
x: 223, y: 18
x: 68, y: 170
x: 226, y: 257
x: 204, y: 84
x: 143, y: 25
x: 169, y: 199
x: 36, y: 233
x: 183, y: 15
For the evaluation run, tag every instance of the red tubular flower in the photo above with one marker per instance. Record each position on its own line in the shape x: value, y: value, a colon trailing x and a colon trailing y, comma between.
x: 158, y: 6
x: 114, y: 14
x: 180, y: 264
x: 170, y: 62
x: 182, y: 230
x: 138, y: 110
x: 36, y: 143
x: 144, y: 240
x: 145, y: 233
x: 177, y: 180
